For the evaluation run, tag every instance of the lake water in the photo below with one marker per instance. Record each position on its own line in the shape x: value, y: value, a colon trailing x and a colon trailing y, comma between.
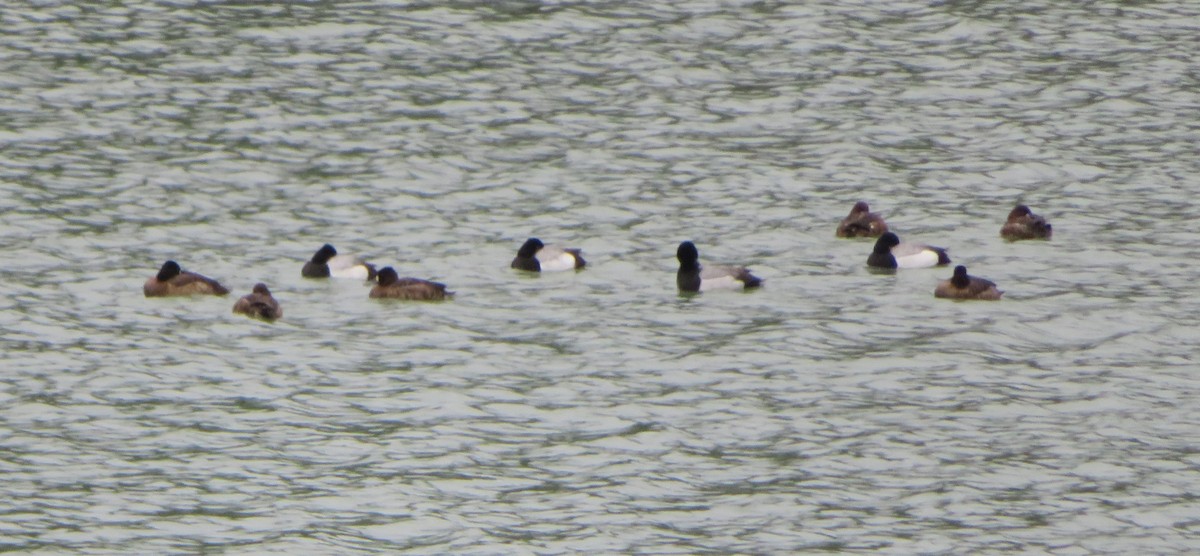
x: 835, y: 410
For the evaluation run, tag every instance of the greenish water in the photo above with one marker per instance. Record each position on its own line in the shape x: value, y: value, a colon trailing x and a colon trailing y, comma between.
x: 835, y: 410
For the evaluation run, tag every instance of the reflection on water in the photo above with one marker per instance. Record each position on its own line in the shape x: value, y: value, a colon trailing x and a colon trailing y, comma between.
x: 835, y: 409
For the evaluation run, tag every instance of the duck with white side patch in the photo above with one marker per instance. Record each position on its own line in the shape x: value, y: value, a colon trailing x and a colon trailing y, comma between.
x: 327, y: 263
x: 534, y: 256
x: 889, y: 252
x: 693, y: 277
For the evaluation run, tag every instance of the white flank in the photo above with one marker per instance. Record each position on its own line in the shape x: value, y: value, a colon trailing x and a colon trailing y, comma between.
x: 348, y: 266
x: 921, y: 259
x: 720, y: 282
x: 554, y: 259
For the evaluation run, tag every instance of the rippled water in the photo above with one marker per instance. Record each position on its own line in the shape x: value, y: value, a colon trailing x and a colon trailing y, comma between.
x: 835, y: 410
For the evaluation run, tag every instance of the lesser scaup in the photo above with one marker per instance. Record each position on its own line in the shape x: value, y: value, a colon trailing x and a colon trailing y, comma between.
x: 890, y: 253
x: 962, y: 286
x: 692, y: 277
x: 862, y: 223
x: 327, y: 263
x: 392, y: 286
x: 172, y: 280
x: 1024, y: 224
x: 259, y: 304
x: 535, y: 256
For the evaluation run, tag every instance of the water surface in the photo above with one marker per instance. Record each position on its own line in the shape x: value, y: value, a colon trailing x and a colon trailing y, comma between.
x: 835, y: 410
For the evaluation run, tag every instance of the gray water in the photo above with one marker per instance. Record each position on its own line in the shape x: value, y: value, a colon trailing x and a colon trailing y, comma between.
x: 836, y: 410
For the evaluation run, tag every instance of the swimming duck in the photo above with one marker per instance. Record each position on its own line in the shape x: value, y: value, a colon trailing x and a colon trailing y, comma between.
x: 692, y: 277
x: 962, y: 286
x: 534, y: 256
x: 861, y: 223
x: 1024, y: 224
x: 392, y: 286
x: 258, y: 304
x: 327, y: 263
x: 890, y: 253
x: 172, y: 280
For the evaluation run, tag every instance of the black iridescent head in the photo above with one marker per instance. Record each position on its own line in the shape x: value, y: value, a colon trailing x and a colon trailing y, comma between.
x: 886, y: 242
x: 323, y: 254
x: 960, y: 278
x: 530, y: 248
x: 387, y: 276
x: 261, y: 288
x: 687, y: 253
x: 170, y: 269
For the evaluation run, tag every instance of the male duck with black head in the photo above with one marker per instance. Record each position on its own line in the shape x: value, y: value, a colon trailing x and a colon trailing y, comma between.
x: 172, y: 280
x: 392, y: 286
x: 693, y: 277
x: 327, y: 263
x: 259, y: 304
x: 534, y: 256
x: 890, y: 253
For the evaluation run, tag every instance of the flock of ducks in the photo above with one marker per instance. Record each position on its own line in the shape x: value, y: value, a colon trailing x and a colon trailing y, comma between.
x: 891, y: 253
x: 534, y: 256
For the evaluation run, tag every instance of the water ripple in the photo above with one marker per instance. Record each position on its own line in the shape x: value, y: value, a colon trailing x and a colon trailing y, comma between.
x: 834, y: 410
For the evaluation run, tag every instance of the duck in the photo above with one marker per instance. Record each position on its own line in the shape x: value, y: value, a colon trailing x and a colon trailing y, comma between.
x: 327, y: 263
x: 890, y: 253
x: 692, y: 277
x: 535, y: 256
x: 392, y: 286
x: 861, y: 222
x: 962, y: 286
x: 258, y: 304
x: 1024, y: 224
x: 172, y: 280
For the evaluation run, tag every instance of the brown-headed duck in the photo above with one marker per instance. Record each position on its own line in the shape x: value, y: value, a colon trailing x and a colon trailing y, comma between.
x: 1024, y: 224
x: 862, y: 223
x: 258, y: 304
